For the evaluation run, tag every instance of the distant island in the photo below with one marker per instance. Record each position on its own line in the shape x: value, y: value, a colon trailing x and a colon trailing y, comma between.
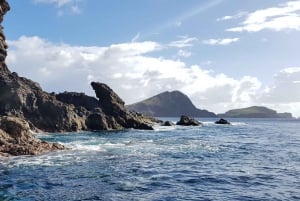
x: 169, y: 104
x: 254, y: 112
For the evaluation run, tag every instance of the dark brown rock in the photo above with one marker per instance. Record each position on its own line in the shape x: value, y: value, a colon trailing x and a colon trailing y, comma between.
x: 17, y: 139
x: 168, y: 123
x: 222, y: 121
x: 114, y: 108
x: 78, y: 99
x: 109, y: 101
x: 187, y: 121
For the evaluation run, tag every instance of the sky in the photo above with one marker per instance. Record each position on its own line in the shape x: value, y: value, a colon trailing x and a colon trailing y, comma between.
x: 224, y: 54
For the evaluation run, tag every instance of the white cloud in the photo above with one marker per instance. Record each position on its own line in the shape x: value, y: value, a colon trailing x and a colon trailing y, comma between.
x: 225, y: 41
x: 184, y: 53
x: 283, y: 17
x: 286, y: 87
x: 72, y: 5
x: 184, y: 41
x: 59, y: 3
x: 231, y: 17
x: 134, y: 75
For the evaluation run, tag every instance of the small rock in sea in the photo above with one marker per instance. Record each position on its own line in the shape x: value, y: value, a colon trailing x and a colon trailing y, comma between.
x: 187, y: 121
x: 168, y: 123
x: 222, y: 121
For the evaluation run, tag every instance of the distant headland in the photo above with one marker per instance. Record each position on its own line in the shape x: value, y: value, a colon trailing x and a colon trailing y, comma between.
x: 255, y: 112
x: 169, y: 104
x: 176, y: 103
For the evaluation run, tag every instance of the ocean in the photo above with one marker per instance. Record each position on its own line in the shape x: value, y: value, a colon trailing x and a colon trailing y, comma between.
x: 252, y: 159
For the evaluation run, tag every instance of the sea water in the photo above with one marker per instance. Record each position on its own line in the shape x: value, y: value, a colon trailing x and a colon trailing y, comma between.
x: 252, y: 159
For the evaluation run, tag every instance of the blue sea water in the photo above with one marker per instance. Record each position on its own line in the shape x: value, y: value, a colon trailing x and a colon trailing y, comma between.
x: 252, y: 159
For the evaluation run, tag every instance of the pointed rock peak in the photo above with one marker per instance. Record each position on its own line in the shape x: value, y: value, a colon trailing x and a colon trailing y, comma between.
x: 104, y: 92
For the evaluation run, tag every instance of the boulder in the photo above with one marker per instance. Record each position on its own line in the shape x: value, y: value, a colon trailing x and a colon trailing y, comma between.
x: 168, y: 123
x: 17, y: 139
x: 187, y: 121
x: 222, y: 121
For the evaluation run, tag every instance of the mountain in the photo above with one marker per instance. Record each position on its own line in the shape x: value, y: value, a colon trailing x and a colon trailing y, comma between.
x: 169, y: 104
x: 255, y: 112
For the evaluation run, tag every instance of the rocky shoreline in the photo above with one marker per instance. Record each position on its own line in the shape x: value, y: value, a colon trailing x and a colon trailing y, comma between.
x: 24, y: 106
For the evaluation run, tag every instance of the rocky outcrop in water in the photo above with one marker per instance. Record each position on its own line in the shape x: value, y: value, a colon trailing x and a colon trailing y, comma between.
x: 187, y: 121
x: 108, y: 112
x: 222, y: 121
x: 17, y: 139
x: 168, y: 123
x: 18, y: 98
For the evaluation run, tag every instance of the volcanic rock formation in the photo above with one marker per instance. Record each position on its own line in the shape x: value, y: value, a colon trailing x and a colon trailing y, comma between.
x: 22, y: 100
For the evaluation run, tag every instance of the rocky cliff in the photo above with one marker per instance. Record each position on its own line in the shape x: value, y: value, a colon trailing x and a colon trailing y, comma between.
x: 15, y: 135
x: 24, y: 100
x: 169, y: 104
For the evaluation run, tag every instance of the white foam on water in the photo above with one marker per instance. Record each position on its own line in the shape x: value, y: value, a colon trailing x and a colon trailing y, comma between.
x: 208, y: 123
x: 159, y: 128
x: 61, y: 158
x: 239, y: 124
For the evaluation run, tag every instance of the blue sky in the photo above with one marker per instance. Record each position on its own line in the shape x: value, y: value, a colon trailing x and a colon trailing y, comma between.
x: 224, y: 54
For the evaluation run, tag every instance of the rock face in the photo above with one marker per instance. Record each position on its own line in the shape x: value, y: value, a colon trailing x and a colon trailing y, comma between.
x: 187, y: 121
x: 169, y: 104
x: 254, y: 112
x: 25, y: 99
x: 16, y: 139
x: 115, y: 112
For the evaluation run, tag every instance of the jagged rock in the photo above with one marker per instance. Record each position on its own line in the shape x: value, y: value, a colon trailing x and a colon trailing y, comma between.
x: 109, y: 101
x: 78, y: 99
x: 114, y: 107
x: 187, y: 121
x: 222, y: 121
x: 16, y: 139
x: 23, y: 98
x: 168, y: 123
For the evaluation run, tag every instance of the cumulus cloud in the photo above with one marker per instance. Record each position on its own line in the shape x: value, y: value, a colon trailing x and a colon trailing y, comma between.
x: 286, y: 87
x: 135, y: 75
x: 224, y: 41
x: 283, y: 17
